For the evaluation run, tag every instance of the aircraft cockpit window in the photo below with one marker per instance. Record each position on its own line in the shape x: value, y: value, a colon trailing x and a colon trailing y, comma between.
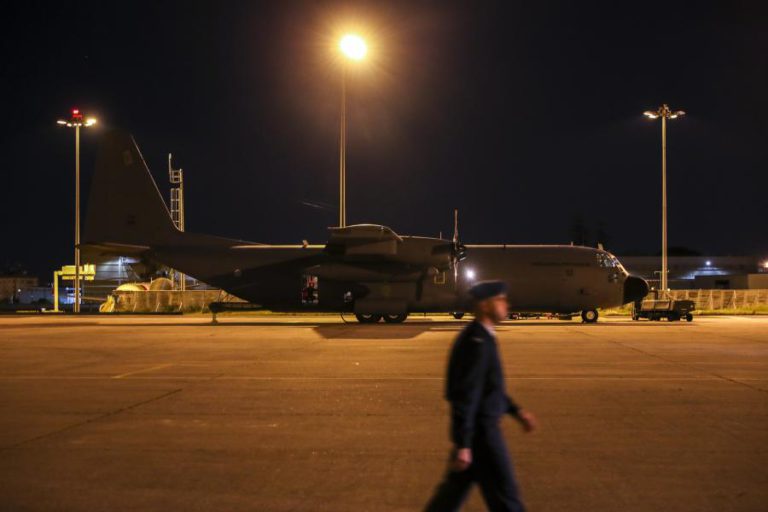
x: 607, y: 260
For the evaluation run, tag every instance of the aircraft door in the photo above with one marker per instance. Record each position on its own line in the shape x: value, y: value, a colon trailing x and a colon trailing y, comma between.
x: 310, y: 293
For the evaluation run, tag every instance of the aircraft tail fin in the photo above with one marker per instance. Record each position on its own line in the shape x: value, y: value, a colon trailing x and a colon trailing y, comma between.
x: 125, y: 206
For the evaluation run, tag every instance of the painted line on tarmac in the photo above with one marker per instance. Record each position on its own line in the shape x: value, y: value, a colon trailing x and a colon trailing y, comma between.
x: 145, y: 370
x: 304, y: 378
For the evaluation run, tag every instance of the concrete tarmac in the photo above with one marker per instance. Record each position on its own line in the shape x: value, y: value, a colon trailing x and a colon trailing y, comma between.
x: 310, y: 414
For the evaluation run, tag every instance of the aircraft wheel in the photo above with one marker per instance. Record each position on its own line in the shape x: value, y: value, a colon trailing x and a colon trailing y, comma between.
x: 395, y: 319
x: 458, y: 315
x: 589, y: 316
x: 370, y: 318
x: 688, y: 317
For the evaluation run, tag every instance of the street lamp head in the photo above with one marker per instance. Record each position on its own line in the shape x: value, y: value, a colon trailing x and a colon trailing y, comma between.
x: 664, y: 112
x: 76, y: 119
x: 353, y: 46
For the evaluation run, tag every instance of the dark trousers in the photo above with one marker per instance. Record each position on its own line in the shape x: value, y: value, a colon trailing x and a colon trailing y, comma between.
x: 491, y: 469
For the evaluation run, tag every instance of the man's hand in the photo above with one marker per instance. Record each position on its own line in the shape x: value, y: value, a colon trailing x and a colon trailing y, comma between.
x: 462, y: 460
x: 527, y: 420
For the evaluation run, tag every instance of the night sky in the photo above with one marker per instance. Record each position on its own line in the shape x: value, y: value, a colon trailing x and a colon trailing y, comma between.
x: 525, y: 116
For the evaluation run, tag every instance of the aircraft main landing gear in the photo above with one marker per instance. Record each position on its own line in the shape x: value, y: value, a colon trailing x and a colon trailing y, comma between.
x: 395, y: 319
x: 589, y: 316
x: 367, y: 318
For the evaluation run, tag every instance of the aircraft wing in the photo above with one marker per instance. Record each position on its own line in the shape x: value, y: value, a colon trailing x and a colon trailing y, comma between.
x: 379, y: 248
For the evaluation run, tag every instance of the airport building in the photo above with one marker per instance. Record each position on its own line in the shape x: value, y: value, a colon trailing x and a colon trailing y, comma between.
x: 702, y: 272
x: 12, y: 286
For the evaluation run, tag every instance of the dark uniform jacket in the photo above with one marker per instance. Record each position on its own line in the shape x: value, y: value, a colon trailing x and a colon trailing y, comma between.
x: 475, y: 384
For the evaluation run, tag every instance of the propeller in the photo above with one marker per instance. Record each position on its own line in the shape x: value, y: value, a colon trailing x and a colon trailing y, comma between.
x: 458, y: 250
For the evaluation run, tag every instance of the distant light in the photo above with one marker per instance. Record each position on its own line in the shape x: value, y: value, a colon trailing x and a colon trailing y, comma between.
x: 353, y: 46
x: 90, y: 121
x: 75, y: 111
x: 765, y: 264
x: 708, y: 263
x: 470, y: 274
x: 61, y: 122
x: 651, y: 115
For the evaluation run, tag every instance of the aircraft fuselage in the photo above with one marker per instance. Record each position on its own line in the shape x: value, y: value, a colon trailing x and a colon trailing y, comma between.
x: 561, y: 279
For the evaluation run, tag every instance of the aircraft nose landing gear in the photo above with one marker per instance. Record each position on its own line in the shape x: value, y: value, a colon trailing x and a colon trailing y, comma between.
x: 589, y: 316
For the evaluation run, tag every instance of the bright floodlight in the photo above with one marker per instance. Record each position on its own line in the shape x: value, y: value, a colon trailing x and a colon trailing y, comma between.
x: 90, y: 121
x: 353, y: 46
x: 470, y: 274
x: 652, y: 115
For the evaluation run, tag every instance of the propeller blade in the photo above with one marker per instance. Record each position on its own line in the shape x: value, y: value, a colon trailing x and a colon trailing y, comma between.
x: 457, y: 249
x: 455, y: 225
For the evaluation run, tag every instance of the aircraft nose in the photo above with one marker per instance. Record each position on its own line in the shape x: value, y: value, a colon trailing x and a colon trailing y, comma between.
x: 635, y: 288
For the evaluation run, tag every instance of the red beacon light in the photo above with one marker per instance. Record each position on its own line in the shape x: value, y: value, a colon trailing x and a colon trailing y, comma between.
x: 77, y: 117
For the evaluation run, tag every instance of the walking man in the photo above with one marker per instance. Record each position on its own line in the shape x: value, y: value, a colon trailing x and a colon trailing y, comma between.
x: 475, y: 389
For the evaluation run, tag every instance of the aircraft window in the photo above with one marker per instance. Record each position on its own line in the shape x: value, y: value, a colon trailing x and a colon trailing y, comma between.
x: 606, y: 260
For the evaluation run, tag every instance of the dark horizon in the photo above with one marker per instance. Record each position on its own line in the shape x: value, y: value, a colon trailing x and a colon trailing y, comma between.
x: 526, y: 118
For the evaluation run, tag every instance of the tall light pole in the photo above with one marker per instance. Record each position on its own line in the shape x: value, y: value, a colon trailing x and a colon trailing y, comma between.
x: 664, y: 112
x: 353, y: 48
x: 75, y: 121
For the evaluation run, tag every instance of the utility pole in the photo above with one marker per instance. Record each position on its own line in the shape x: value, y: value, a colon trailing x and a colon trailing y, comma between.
x: 664, y: 112
x: 352, y: 48
x: 75, y: 121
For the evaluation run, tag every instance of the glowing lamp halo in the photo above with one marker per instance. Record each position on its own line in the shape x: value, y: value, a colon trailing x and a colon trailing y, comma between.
x: 353, y: 46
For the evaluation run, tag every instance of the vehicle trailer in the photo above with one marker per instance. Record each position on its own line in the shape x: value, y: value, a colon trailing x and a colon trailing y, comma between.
x: 655, y: 308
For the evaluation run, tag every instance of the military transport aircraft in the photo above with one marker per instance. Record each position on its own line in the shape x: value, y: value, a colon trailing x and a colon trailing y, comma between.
x: 367, y: 269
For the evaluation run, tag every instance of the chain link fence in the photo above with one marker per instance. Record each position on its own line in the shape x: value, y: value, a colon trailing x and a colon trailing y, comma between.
x: 713, y: 300
x: 196, y: 301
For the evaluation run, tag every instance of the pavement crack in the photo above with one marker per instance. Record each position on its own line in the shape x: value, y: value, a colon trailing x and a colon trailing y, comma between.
x: 688, y: 365
x: 89, y: 420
